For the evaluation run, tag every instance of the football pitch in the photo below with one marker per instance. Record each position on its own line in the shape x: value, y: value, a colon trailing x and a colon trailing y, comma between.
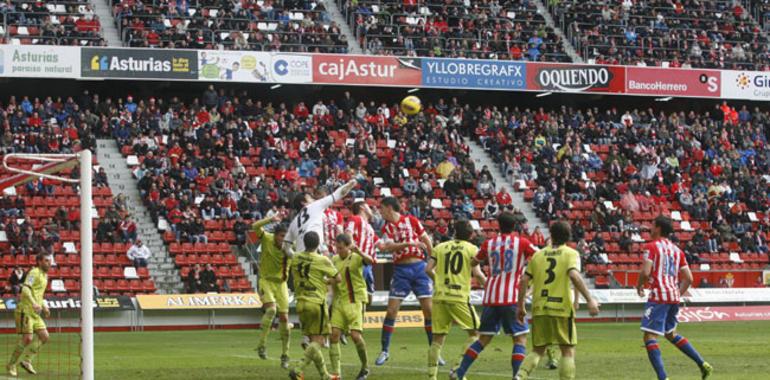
x: 605, y: 351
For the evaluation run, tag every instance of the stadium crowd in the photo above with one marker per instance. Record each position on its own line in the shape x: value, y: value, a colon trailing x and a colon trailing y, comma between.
x: 714, y: 34
x: 283, y: 25
x: 50, y: 23
x: 496, y: 30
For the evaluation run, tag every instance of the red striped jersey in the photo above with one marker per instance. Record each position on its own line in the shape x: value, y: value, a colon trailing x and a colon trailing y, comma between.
x: 507, y: 255
x: 667, y: 259
x: 407, y: 230
x: 363, y: 235
x: 333, y: 222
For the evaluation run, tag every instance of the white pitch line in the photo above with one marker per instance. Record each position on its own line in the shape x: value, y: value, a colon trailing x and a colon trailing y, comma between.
x: 404, y: 369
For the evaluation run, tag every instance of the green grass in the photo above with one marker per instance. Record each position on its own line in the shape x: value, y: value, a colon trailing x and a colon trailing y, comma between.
x: 605, y: 351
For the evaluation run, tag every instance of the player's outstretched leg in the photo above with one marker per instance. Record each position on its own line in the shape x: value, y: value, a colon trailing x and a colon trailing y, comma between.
x: 266, y: 325
x: 41, y: 338
x: 285, y: 330
x: 517, y: 356
x: 653, y: 353
x: 388, y: 325
x: 473, y: 351
x: 363, y: 356
x: 530, y: 363
x: 684, y: 345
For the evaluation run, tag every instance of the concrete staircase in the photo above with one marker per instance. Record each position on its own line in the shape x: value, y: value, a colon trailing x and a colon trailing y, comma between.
x: 109, y: 30
x: 161, y: 265
x: 481, y: 158
x: 336, y: 15
x: 565, y: 42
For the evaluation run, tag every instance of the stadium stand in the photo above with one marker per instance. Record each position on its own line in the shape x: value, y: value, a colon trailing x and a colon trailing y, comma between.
x: 497, y: 30
x: 283, y: 25
x: 713, y: 34
x: 43, y: 215
x: 610, y: 174
x: 72, y: 22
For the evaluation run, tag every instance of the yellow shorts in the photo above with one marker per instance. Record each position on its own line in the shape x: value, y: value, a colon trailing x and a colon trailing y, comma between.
x: 348, y: 316
x: 313, y: 317
x: 547, y: 330
x: 28, y: 323
x: 444, y: 313
x: 275, y: 292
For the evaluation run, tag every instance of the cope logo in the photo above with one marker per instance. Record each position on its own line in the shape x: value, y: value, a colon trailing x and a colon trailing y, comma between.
x: 281, y: 67
x: 743, y: 81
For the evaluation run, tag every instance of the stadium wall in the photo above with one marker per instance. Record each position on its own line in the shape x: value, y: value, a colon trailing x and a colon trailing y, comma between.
x: 219, y: 311
x: 90, y: 63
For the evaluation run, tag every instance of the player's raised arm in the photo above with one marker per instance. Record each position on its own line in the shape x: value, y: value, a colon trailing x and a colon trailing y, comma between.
x: 338, y: 194
x: 368, y: 260
x: 577, y: 281
x: 258, y: 225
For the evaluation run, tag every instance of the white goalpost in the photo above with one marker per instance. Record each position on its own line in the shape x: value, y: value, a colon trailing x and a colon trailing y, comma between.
x: 57, y: 162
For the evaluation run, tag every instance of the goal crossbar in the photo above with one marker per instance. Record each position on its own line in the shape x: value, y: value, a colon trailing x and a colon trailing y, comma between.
x: 56, y: 163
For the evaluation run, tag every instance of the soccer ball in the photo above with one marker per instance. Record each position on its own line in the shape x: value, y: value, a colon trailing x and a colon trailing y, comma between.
x: 411, y: 105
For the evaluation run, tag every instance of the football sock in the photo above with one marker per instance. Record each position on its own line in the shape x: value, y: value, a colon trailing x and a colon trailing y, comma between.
x: 33, y: 349
x: 684, y: 345
x: 429, y: 330
x: 20, y: 348
x: 567, y: 368
x: 653, y: 353
x: 283, y: 328
x: 362, y: 354
x: 518, y: 355
x: 316, y: 355
x: 267, y: 323
x: 529, y: 364
x: 471, y: 354
x: 465, y: 345
x: 387, y: 331
x: 334, y: 358
x: 433, y: 353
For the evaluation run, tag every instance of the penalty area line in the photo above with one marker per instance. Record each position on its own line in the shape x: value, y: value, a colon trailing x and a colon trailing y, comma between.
x: 375, y: 369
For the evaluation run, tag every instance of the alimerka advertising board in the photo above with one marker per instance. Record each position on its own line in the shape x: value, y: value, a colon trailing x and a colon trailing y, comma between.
x: 672, y: 82
x: 139, y: 63
x: 366, y: 70
x: 575, y: 78
x: 199, y: 301
x: 474, y: 74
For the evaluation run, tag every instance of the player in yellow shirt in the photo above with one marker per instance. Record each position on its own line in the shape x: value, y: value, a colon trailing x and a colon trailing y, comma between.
x: 551, y: 270
x: 29, y: 316
x: 273, y: 274
x: 312, y: 274
x: 350, y: 299
x: 451, y: 266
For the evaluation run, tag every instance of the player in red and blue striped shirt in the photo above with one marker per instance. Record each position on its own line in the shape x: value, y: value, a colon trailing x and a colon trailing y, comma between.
x: 663, y: 263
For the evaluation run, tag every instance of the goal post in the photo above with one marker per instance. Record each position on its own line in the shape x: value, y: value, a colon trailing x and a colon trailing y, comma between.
x: 55, y: 163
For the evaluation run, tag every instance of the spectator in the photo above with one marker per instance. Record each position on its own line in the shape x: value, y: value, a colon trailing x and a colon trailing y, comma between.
x: 15, y: 280
x: 139, y: 254
x: 209, y: 279
x: 491, y: 209
x: 537, y: 237
x: 195, y: 280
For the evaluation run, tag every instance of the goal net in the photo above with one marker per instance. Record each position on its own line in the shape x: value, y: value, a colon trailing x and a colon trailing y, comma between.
x: 70, y: 351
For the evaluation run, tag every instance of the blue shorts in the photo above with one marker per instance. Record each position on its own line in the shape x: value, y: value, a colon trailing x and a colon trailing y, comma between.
x: 659, y: 318
x: 494, y: 316
x: 369, y: 278
x: 410, y: 278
